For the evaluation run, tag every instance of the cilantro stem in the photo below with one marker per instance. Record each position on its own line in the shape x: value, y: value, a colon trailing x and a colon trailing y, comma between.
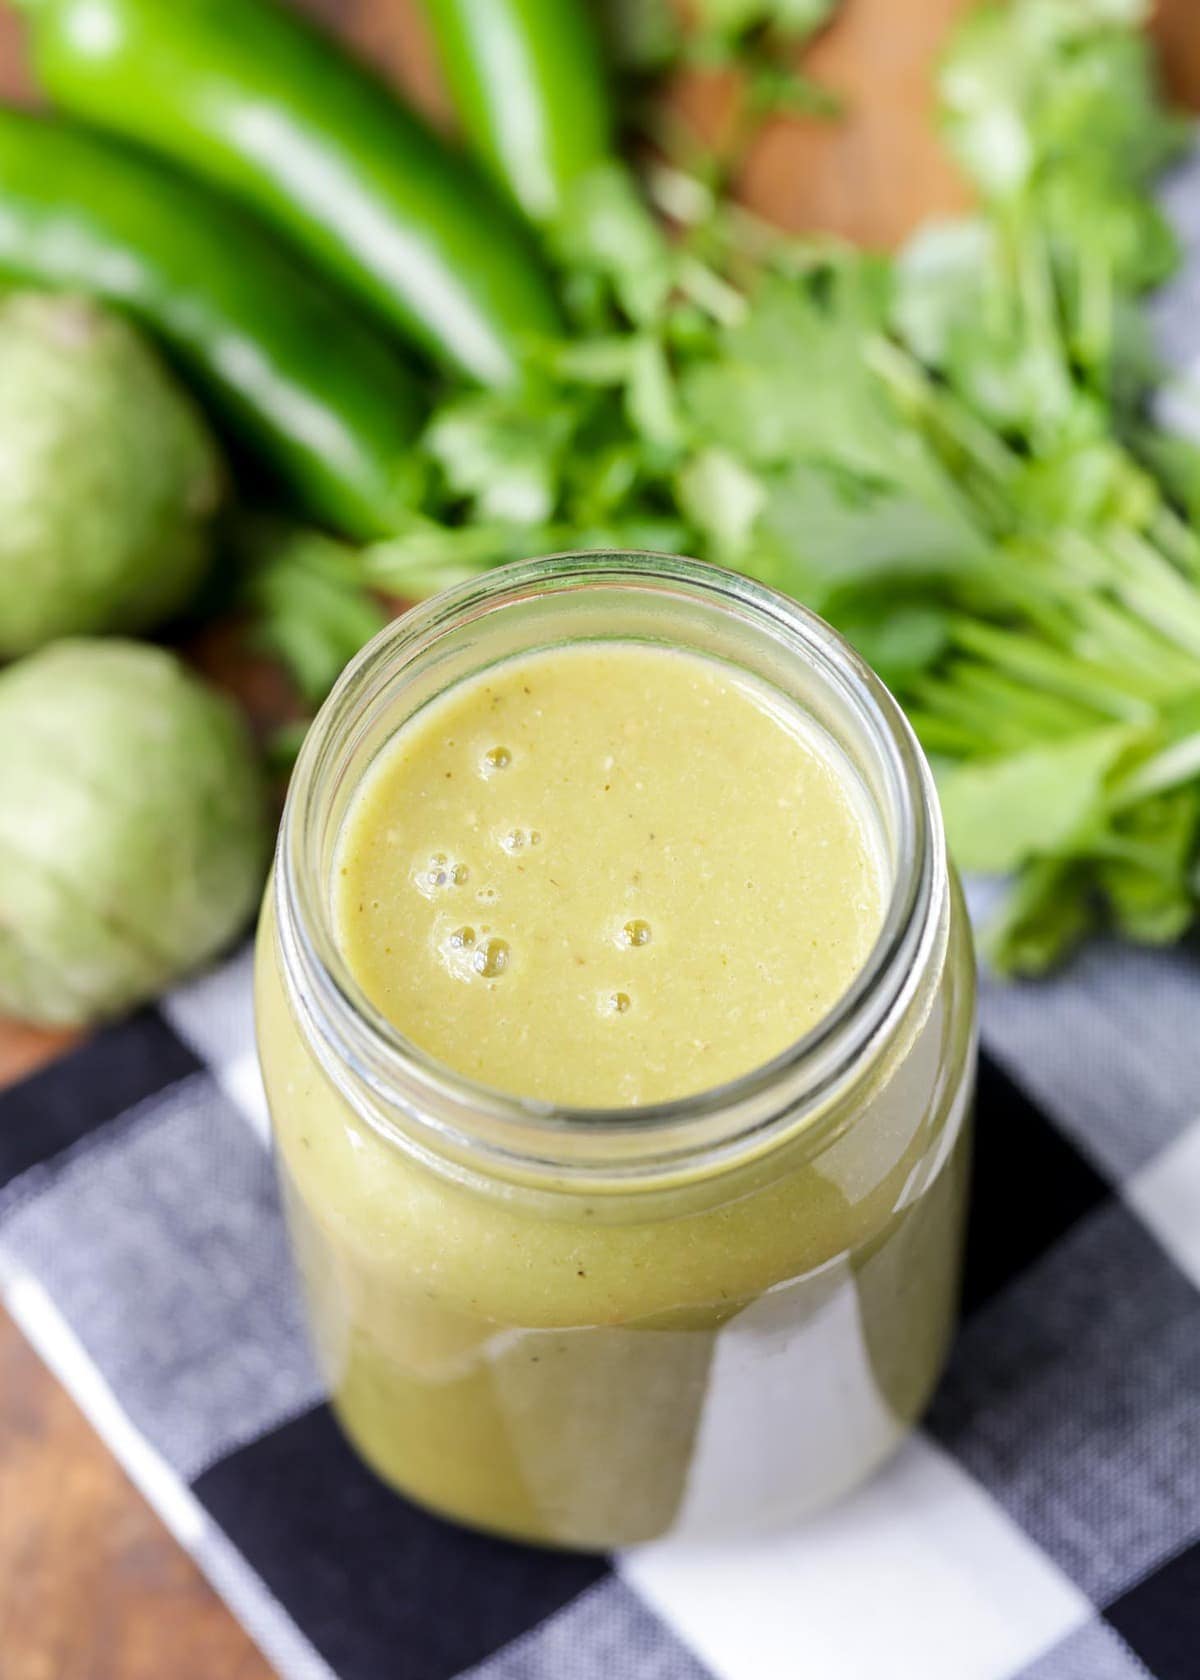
x: 1095, y: 300
x: 1176, y: 538
x: 679, y: 195
x: 1153, y: 587
x: 941, y: 735
x: 1073, y: 678
x: 704, y: 287
x: 1035, y: 287
x: 1108, y: 634
x: 1004, y: 715
x: 1173, y: 766
x: 912, y: 385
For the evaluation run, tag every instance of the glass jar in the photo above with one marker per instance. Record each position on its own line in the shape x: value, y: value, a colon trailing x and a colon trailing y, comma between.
x: 591, y: 1328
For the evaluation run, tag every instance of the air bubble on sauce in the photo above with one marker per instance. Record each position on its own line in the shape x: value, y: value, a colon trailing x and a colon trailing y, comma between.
x: 496, y: 758
x: 491, y: 960
x: 515, y: 840
x: 462, y: 939
x: 617, y: 1003
x: 437, y: 873
x: 636, y: 932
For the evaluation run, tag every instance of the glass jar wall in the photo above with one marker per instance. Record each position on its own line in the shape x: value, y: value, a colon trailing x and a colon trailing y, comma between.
x: 593, y: 1328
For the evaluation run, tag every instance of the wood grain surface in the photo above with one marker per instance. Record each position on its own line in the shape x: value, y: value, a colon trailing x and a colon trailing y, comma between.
x: 91, y: 1585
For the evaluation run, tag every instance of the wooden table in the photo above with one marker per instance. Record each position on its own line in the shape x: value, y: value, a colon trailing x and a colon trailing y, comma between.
x: 91, y: 1585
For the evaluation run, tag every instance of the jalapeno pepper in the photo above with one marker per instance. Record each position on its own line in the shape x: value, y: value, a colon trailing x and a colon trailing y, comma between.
x: 527, y: 80
x: 330, y: 405
x: 250, y: 96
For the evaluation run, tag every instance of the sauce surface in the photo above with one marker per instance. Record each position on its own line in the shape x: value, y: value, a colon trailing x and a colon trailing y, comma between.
x: 608, y: 874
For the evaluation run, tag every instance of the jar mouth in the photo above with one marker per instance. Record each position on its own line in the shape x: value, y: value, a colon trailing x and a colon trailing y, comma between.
x: 419, y: 1101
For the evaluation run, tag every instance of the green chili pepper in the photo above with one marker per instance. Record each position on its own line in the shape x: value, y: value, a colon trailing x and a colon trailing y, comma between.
x: 247, y: 94
x: 330, y: 406
x: 527, y: 81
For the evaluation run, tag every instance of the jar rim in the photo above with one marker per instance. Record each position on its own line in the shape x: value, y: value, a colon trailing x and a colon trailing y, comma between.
x: 409, y: 1095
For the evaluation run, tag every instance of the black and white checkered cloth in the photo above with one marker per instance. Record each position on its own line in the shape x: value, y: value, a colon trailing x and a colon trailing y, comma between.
x: 1044, y: 1524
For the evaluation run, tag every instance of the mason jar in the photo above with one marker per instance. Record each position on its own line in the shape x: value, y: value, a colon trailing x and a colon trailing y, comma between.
x: 590, y: 1328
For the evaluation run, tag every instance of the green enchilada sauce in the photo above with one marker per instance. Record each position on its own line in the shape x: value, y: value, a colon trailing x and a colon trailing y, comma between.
x: 609, y: 875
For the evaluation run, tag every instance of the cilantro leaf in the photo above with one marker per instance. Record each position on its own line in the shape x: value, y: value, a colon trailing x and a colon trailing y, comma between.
x: 1050, y: 908
x: 1143, y: 874
x: 306, y: 594
x: 1037, y: 85
x: 502, y: 454
x: 1045, y: 799
x: 606, y: 230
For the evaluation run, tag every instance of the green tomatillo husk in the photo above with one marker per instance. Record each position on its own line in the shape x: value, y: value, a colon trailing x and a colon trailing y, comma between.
x: 109, y: 477
x: 133, y: 828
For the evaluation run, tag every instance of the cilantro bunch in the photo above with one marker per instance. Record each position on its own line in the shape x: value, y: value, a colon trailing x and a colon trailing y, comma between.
x: 949, y: 454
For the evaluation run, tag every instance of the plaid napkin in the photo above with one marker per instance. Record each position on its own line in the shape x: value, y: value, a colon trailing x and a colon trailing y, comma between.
x: 1044, y: 1524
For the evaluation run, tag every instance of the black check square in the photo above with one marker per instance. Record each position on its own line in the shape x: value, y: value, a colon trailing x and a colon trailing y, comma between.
x: 368, y: 1576
x: 1072, y: 1396
x: 1159, y: 1618
x: 1029, y: 1185
x: 89, y: 1086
